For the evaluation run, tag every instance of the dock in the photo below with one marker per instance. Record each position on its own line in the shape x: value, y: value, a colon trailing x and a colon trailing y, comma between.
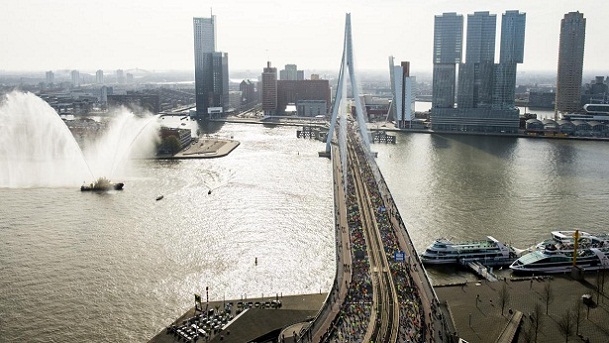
x: 481, y: 270
x: 509, y: 331
x: 382, y: 137
x: 312, y: 132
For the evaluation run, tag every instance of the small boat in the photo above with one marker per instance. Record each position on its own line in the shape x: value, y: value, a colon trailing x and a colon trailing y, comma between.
x: 209, y: 192
x: 159, y: 197
x: 102, y: 184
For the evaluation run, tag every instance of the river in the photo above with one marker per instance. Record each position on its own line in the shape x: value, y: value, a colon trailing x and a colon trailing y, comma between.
x: 120, y: 266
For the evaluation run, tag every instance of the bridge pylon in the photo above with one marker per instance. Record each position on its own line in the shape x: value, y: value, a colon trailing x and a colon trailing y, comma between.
x: 338, y: 107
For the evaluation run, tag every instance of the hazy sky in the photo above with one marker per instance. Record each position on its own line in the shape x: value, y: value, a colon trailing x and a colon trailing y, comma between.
x: 157, y: 35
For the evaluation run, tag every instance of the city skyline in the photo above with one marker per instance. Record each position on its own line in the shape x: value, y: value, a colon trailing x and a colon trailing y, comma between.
x: 158, y: 36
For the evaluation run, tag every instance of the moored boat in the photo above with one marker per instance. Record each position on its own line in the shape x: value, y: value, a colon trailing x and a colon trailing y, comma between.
x: 547, y: 261
x: 488, y: 252
x: 564, y: 241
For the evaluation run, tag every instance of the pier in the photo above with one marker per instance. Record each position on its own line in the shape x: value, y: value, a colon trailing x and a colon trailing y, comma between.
x: 312, y: 132
x: 481, y: 270
x: 382, y: 137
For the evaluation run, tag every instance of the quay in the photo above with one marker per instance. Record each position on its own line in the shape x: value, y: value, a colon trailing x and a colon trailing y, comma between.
x: 206, y: 148
x: 254, y: 319
x: 476, y: 308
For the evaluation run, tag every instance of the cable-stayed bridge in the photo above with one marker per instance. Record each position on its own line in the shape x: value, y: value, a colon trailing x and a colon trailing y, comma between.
x: 381, y: 291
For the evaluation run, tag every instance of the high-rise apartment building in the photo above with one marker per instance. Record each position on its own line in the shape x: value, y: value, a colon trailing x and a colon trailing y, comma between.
x: 75, y: 78
x: 99, y: 76
x: 211, y: 68
x: 513, y: 25
x: 402, y: 88
x: 447, y: 51
x: 269, y: 89
x: 485, y: 99
x: 570, y: 63
x: 476, y: 74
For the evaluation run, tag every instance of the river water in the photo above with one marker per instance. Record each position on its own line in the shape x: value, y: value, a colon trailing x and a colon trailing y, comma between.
x: 120, y: 266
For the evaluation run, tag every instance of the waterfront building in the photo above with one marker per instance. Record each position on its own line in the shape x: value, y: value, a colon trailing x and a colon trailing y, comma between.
x: 447, y: 50
x: 248, y: 92
x: 402, y: 89
x: 299, y: 91
x: 211, y: 68
x: 99, y: 76
x: 50, y: 77
x: 597, y: 91
x: 541, y: 99
x: 512, y: 52
x: 75, y: 74
x: 476, y: 74
x: 269, y: 89
x: 485, y: 100
x: 570, y: 63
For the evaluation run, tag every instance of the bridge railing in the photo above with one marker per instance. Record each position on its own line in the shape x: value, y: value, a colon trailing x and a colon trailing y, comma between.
x: 307, y: 333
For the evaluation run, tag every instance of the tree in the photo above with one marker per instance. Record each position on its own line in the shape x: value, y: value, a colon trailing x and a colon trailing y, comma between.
x: 170, y: 145
x: 504, y: 297
x: 565, y: 324
x: 548, y: 295
x: 537, y: 311
x: 577, y: 308
x: 527, y: 333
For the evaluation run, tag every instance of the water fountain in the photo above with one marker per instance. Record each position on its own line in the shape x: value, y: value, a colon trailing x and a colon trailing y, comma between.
x: 38, y: 150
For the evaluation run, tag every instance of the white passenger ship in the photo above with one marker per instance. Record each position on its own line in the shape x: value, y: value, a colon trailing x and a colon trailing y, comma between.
x: 546, y: 261
x: 557, y: 255
x: 489, y: 252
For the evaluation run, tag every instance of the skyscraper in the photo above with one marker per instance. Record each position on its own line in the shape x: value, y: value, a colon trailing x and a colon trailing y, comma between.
x: 211, y: 68
x: 476, y: 74
x: 512, y: 52
x: 402, y: 88
x: 269, y: 89
x: 570, y: 62
x: 448, y: 41
x: 485, y: 100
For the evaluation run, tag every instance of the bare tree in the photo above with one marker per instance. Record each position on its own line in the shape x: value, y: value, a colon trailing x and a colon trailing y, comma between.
x: 504, y: 297
x: 599, y: 285
x: 548, y: 295
x: 528, y: 334
x: 537, y: 311
x: 565, y: 324
x: 577, y: 308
